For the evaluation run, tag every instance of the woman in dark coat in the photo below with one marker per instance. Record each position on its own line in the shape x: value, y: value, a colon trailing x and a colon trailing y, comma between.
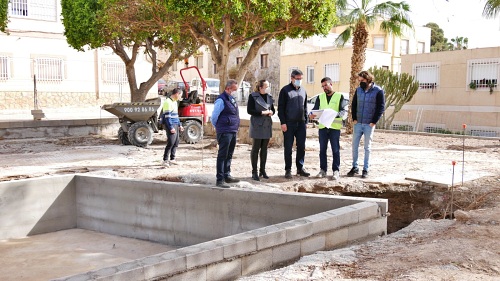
x: 260, y: 106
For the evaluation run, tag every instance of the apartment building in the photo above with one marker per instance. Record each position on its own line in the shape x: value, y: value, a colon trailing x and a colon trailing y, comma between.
x: 36, y: 48
x: 317, y: 57
x: 456, y: 87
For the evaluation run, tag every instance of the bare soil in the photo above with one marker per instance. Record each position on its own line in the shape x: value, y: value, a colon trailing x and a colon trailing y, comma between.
x: 415, y: 172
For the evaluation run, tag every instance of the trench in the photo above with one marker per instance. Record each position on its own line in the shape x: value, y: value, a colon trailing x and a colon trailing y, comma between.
x: 404, y: 207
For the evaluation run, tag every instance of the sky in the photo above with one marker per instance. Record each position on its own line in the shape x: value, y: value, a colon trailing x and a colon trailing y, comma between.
x: 461, y: 18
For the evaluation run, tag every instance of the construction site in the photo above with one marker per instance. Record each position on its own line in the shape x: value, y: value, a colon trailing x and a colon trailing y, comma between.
x: 77, y: 204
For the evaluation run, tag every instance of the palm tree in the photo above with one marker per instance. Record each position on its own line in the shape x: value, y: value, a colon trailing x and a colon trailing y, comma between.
x: 461, y: 43
x: 360, y: 16
x: 491, y: 8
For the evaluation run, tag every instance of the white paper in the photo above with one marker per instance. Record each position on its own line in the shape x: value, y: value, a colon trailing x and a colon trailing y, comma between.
x: 327, y: 117
x: 317, y: 113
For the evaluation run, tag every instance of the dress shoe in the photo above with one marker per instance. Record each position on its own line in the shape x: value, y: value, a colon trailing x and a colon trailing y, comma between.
x: 303, y: 173
x: 231, y: 180
x: 255, y: 177
x: 288, y: 174
x: 263, y: 174
x: 222, y: 184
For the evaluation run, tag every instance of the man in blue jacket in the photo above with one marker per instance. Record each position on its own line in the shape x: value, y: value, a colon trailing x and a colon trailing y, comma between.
x: 292, y: 111
x: 226, y: 120
x: 368, y: 105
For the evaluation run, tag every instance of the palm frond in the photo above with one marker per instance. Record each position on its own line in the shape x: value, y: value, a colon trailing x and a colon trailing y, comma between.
x: 491, y: 9
x: 344, y: 37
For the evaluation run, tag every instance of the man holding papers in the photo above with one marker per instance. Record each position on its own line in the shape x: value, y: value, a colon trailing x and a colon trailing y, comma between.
x: 330, y: 109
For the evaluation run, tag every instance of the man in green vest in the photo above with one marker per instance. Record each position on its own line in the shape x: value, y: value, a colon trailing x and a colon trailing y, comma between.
x: 330, y: 132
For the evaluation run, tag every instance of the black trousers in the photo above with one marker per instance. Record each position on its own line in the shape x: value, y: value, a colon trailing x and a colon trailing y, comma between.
x: 172, y: 144
x: 259, y: 145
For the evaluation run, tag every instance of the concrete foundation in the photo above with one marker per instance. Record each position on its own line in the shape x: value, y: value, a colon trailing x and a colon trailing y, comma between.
x: 220, y: 233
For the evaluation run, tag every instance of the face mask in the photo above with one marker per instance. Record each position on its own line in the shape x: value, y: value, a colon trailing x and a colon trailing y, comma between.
x: 267, y: 90
x: 297, y: 83
x: 363, y: 85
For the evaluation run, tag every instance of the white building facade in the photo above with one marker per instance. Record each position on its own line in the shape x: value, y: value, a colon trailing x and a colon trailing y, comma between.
x: 36, y: 48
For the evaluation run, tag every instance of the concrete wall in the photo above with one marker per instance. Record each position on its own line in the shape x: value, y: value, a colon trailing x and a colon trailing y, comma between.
x: 186, y: 215
x: 30, y: 207
x: 227, y: 233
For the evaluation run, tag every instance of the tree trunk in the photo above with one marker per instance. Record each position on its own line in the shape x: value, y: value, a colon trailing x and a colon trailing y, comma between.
x: 359, y: 43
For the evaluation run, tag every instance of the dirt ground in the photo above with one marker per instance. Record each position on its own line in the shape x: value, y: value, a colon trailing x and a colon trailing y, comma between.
x: 414, y: 172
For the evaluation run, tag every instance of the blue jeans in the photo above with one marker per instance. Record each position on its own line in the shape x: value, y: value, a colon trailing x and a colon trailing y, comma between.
x: 227, y: 143
x: 359, y: 130
x: 333, y: 136
x: 297, y: 131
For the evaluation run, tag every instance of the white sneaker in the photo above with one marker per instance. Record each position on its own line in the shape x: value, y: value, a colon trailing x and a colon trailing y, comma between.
x: 336, y: 175
x: 166, y: 163
x: 321, y: 174
x: 173, y: 162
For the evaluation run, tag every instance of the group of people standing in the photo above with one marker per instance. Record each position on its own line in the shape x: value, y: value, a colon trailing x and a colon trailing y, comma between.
x: 367, y: 108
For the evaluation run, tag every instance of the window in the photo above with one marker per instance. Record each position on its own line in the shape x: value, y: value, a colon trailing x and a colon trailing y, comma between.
x: 379, y: 43
x: 113, y: 72
x: 483, y: 73
x: 239, y: 60
x: 199, y: 61
x: 264, y: 61
x: 216, y: 71
x: 174, y: 65
x: 333, y: 71
x: 34, y: 9
x: 310, y: 74
x: 49, y: 69
x: 404, y: 47
x: 4, y: 68
x: 420, y: 47
x: 427, y: 75
x: 292, y: 68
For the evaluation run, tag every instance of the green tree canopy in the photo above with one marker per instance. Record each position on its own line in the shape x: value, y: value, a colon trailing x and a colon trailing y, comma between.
x: 4, y: 12
x: 361, y: 15
x: 438, y: 41
x: 91, y: 24
x: 227, y: 25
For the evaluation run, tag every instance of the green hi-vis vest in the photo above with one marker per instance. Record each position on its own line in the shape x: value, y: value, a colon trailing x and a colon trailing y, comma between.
x: 334, y: 104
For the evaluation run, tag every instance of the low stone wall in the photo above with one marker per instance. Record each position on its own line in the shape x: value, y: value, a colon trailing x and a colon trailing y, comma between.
x: 25, y: 100
x: 58, y: 128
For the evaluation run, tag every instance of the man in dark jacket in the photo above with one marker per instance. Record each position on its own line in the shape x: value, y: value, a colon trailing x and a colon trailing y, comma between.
x: 226, y: 120
x: 368, y: 105
x: 292, y: 111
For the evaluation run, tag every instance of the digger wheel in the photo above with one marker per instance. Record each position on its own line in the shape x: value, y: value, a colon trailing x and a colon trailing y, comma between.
x: 193, y: 131
x: 140, y: 134
x: 123, y: 136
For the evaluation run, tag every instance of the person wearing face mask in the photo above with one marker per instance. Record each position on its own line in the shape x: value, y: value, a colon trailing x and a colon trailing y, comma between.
x: 260, y: 106
x: 368, y: 105
x: 335, y: 101
x: 226, y: 120
x: 170, y: 119
x: 292, y: 112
